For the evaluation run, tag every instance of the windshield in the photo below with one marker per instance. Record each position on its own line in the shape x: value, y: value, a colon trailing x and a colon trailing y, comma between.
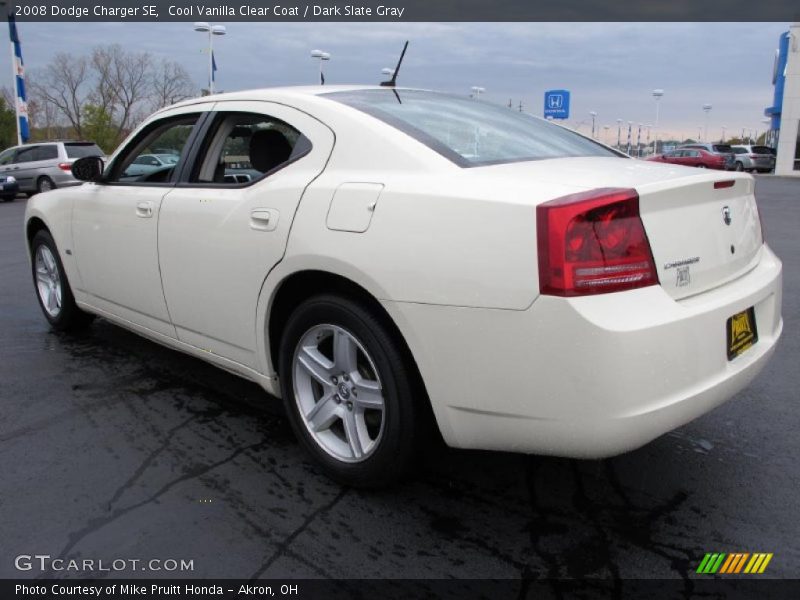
x: 470, y: 132
x: 81, y: 150
x: 722, y: 148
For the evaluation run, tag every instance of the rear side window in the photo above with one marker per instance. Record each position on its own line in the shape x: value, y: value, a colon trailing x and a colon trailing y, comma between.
x: 739, y: 150
x: 470, y: 132
x: 48, y: 152
x: 244, y: 147
x: 79, y: 150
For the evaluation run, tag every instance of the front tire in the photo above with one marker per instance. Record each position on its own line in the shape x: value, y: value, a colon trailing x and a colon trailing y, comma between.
x: 739, y: 166
x: 348, y: 392
x: 52, y: 287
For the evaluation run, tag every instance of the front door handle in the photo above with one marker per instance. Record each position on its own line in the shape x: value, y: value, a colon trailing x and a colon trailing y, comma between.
x: 144, y: 210
x: 263, y: 219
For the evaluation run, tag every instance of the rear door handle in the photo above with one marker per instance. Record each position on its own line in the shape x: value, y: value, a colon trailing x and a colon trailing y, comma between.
x: 144, y: 210
x: 263, y: 219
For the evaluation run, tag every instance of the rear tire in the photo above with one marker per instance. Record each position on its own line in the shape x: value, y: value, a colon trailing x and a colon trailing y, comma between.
x: 52, y: 287
x: 349, y: 393
x: 44, y: 184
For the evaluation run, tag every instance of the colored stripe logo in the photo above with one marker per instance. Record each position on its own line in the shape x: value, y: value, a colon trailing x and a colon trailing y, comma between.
x: 734, y: 563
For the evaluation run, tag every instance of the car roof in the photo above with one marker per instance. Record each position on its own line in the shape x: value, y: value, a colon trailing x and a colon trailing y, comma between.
x: 288, y: 94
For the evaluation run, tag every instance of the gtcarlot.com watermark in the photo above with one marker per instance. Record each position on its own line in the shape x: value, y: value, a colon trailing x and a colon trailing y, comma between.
x: 45, y: 563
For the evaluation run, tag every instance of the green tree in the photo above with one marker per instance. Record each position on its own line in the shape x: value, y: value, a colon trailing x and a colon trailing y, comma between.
x: 99, y: 127
x: 8, y: 125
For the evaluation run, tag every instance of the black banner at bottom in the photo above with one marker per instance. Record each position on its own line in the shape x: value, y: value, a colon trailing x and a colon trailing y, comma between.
x: 369, y: 589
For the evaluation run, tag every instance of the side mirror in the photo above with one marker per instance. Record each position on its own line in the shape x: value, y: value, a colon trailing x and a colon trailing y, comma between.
x: 88, y: 168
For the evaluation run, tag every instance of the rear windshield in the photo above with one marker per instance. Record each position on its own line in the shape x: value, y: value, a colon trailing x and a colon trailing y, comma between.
x: 722, y: 148
x: 78, y: 150
x: 762, y: 150
x: 470, y: 132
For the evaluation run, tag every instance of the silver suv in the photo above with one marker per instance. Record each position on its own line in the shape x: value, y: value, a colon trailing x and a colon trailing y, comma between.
x: 45, y: 166
x: 754, y: 158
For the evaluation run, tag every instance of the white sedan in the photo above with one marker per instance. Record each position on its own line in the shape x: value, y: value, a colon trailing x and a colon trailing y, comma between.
x: 402, y: 260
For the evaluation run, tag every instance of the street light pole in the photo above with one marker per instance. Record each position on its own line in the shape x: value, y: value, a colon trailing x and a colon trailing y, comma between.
x: 619, y: 134
x: 707, y: 110
x: 657, y: 94
x: 594, y: 117
x: 322, y: 56
x: 212, y: 30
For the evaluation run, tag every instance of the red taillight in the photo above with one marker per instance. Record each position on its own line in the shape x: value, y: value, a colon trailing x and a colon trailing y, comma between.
x: 718, y: 185
x: 593, y: 243
x: 65, y: 166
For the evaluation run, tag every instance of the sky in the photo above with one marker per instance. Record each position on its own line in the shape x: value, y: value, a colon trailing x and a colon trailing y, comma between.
x: 610, y: 68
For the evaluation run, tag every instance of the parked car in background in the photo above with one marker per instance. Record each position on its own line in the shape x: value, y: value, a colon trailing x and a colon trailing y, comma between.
x: 45, y: 166
x: 693, y: 157
x: 724, y: 150
x: 753, y: 158
x: 9, y: 188
x: 146, y: 164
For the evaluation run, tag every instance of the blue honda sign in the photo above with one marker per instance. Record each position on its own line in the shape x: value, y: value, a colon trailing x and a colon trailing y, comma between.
x: 556, y: 104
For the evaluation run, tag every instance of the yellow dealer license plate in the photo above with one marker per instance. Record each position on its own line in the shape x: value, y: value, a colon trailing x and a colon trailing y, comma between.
x: 742, y: 332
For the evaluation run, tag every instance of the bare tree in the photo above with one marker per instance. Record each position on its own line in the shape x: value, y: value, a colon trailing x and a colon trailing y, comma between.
x: 170, y: 84
x: 107, y: 93
x: 131, y: 83
x: 63, y: 84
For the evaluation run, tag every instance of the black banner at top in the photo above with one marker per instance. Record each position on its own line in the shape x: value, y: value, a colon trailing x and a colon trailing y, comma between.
x: 406, y: 10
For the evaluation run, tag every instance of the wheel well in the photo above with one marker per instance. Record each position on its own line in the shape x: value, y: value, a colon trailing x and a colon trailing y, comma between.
x: 302, y: 285
x: 35, y: 224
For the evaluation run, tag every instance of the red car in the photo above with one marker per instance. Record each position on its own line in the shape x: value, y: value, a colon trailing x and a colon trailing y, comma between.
x: 692, y: 157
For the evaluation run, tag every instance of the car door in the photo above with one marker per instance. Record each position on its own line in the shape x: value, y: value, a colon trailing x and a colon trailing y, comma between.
x: 115, y: 225
x: 22, y: 167
x: 7, y: 161
x: 220, y: 232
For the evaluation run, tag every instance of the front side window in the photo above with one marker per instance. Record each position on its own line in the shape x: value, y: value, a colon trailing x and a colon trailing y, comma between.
x: 139, y: 163
x: 26, y: 154
x: 470, y: 132
x: 242, y: 148
x: 7, y: 156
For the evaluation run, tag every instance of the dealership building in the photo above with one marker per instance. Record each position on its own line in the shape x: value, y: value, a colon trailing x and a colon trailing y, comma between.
x: 785, y: 111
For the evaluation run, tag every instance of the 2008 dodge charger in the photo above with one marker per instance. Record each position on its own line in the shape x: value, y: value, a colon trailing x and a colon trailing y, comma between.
x: 384, y: 259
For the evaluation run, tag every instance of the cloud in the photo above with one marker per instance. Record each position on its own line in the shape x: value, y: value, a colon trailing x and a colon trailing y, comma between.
x: 611, y: 68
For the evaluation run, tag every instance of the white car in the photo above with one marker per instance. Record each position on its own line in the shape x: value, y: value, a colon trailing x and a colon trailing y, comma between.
x: 407, y: 258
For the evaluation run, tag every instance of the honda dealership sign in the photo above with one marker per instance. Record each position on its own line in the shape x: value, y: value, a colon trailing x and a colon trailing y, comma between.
x: 556, y: 104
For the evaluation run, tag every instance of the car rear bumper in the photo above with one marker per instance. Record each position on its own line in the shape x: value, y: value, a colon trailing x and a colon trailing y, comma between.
x: 588, y: 377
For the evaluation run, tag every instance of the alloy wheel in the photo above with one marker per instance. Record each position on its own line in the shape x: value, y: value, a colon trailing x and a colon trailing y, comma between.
x: 338, y: 393
x: 48, y: 281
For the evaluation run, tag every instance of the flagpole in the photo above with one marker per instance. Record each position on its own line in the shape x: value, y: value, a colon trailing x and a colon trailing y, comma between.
x: 15, y: 75
x: 16, y: 92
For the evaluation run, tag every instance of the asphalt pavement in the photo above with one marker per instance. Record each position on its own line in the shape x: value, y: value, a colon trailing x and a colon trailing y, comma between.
x: 114, y: 447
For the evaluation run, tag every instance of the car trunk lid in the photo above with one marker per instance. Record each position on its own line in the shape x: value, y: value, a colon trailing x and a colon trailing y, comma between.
x: 703, y: 225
